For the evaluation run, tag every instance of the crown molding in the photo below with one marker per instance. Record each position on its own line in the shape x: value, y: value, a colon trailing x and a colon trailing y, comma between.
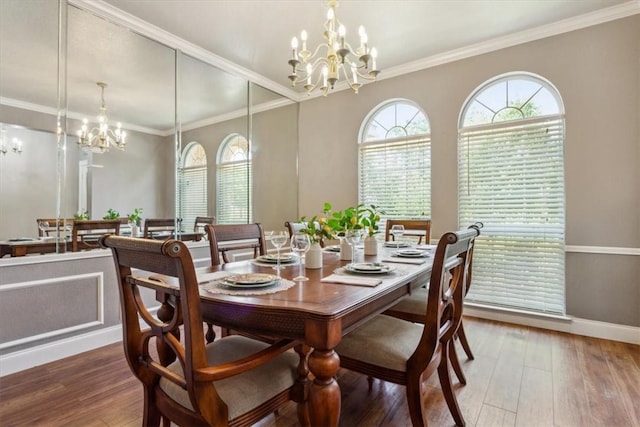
x: 601, y: 16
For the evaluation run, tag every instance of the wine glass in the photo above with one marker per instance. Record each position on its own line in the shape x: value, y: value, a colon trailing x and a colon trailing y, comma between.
x: 43, y: 226
x: 353, y: 238
x: 278, y: 239
x: 397, y: 230
x: 300, y: 244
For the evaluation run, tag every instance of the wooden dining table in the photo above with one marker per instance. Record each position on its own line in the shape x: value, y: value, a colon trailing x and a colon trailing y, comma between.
x: 316, y: 312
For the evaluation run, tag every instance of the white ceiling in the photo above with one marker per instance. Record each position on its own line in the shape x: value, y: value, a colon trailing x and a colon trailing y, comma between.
x: 249, y: 38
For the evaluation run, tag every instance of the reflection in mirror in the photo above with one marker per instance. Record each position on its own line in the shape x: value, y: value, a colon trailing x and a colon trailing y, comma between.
x: 140, y: 77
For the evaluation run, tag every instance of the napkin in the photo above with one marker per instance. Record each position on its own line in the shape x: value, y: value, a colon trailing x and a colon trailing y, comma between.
x: 405, y: 260
x: 351, y: 280
x: 427, y: 247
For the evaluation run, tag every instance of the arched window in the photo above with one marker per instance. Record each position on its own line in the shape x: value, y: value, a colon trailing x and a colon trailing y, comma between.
x: 511, y: 178
x: 233, y: 200
x: 395, y: 160
x: 193, y: 184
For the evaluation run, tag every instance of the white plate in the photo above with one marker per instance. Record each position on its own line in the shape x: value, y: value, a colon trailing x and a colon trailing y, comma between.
x: 392, y: 244
x: 335, y: 248
x: 368, y: 268
x: 411, y: 253
x: 273, y: 259
x: 260, y: 285
x: 251, y: 279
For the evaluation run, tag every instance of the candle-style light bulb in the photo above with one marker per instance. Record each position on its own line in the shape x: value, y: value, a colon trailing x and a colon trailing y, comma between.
x: 374, y: 55
x: 309, y: 70
x: 325, y: 75
x: 303, y: 37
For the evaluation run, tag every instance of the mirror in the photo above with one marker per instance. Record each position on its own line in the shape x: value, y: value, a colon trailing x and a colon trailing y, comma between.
x: 141, y: 94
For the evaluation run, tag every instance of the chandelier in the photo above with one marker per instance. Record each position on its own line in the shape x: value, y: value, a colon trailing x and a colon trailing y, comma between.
x: 99, y: 139
x: 332, y: 59
x: 5, y: 146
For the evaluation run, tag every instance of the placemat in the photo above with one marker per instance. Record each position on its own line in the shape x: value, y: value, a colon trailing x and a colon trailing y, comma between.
x: 215, y: 287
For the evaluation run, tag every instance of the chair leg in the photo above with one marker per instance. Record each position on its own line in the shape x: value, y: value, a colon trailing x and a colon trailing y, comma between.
x: 151, y: 415
x: 455, y: 363
x: 447, y: 387
x: 464, y: 342
x: 211, y: 334
x: 414, y: 401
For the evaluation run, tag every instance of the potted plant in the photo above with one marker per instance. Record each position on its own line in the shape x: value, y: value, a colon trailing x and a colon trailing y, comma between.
x: 370, y: 219
x: 343, y: 222
x: 317, y: 228
x: 112, y: 214
x: 135, y: 221
x: 84, y: 215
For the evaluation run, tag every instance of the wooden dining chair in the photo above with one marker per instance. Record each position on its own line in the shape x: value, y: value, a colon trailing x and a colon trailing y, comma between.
x: 234, y: 237
x: 420, y: 228
x: 156, y: 227
x: 407, y: 353
x: 412, y: 309
x: 234, y: 381
x: 86, y: 233
x: 294, y: 227
x: 201, y: 221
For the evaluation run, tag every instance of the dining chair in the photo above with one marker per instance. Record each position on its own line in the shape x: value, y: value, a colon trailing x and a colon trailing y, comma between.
x: 407, y: 353
x: 293, y: 227
x: 234, y: 237
x: 412, y: 309
x: 201, y: 221
x: 156, y: 227
x: 85, y: 233
x: 234, y: 381
x: 412, y: 228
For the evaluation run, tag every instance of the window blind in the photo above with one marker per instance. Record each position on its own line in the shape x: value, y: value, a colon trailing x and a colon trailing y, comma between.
x: 396, y: 175
x: 233, y: 201
x: 193, y: 195
x: 511, y: 177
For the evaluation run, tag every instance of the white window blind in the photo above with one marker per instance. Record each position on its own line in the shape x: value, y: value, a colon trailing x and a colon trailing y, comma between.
x: 193, y: 185
x: 511, y: 178
x: 395, y: 161
x: 396, y: 177
x: 233, y: 200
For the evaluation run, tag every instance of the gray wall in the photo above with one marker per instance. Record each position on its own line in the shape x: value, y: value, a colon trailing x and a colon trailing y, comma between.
x: 597, y: 72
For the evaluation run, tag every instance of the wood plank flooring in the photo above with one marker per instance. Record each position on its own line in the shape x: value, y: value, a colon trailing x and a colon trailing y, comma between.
x: 521, y: 377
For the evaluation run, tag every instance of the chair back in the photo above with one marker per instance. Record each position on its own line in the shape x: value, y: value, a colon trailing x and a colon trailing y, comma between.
x: 86, y: 233
x: 294, y: 227
x: 227, y: 237
x: 201, y: 221
x: 420, y: 228
x: 166, y: 258
x: 446, y: 292
x: 158, y: 227
x: 49, y: 226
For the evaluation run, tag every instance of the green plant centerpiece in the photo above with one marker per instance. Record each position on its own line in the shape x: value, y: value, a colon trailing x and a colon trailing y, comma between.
x: 135, y: 218
x: 112, y: 214
x: 318, y: 228
x: 84, y: 215
x: 370, y: 219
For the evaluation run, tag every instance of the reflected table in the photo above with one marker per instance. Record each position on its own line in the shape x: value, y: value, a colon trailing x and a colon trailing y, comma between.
x: 20, y: 247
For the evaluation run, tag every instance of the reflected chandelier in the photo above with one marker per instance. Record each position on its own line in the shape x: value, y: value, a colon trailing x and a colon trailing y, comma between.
x: 335, y: 59
x: 99, y: 139
x: 15, y: 146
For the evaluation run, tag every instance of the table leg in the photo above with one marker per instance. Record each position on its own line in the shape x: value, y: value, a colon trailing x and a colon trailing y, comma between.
x: 324, y: 394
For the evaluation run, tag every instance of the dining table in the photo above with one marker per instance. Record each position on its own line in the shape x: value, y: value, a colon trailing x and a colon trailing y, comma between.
x: 318, y: 311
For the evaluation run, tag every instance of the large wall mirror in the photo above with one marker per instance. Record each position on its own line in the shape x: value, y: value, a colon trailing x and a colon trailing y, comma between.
x: 168, y: 102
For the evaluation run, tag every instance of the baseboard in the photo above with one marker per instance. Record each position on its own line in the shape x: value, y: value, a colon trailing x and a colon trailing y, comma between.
x: 45, y: 353
x: 571, y: 325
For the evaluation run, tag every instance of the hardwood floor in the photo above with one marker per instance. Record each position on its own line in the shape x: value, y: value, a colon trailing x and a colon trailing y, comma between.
x: 521, y: 377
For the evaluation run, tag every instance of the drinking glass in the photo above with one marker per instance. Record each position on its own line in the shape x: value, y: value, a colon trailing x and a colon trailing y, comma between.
x: 278, y: 239
x: 300, y: 244
x: 44, y: 228
x: 353, y: 238
x: 397, y: 230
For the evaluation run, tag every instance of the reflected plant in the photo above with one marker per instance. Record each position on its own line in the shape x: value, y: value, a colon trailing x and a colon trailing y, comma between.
x: 82, y: 215
x: 112, y: 214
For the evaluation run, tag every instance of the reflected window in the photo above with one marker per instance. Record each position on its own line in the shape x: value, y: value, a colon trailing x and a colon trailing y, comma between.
x: 193, y: 184
x: 395, y: 160
x: 511, y: 178
x: 233, y: 199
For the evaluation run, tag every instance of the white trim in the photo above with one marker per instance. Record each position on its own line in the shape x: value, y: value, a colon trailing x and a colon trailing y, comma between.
x: 50, y: 352
x: 56, y: 332
x: 53, y: 257
x: 572, y: 325
x: 605, y: 250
